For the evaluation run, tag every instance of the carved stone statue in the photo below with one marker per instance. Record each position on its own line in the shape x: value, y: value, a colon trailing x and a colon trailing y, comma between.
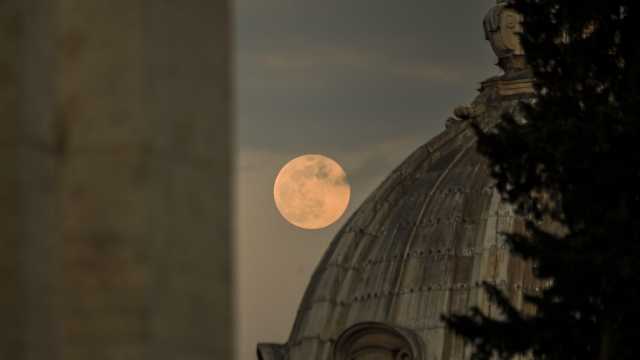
x: 502, y: 27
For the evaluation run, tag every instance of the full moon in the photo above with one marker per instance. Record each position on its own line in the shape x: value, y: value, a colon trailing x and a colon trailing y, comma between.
x: 311, y: 191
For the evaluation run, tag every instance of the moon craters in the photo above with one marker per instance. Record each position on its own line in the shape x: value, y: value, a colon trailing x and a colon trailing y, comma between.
x: 311, y: 191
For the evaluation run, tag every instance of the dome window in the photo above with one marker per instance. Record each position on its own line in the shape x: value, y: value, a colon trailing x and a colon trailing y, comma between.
x: 377, y: 341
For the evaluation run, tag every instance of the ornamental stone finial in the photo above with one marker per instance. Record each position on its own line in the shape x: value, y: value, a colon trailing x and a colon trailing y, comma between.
x: 502, y: 26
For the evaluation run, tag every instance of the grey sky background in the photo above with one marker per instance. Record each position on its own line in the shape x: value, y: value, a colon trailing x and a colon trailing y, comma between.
x: 364, y: 82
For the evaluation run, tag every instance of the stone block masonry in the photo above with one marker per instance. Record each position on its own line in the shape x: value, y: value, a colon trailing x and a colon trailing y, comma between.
x: 115, y: 154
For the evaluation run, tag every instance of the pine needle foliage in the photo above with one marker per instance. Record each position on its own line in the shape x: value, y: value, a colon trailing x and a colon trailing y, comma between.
x: 574, y: 160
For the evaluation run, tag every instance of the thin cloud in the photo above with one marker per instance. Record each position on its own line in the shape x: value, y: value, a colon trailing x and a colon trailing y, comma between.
x: 312, y: 62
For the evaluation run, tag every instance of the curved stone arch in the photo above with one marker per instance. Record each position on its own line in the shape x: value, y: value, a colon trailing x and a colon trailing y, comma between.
x: 269, y: 351
x: 379, y: 341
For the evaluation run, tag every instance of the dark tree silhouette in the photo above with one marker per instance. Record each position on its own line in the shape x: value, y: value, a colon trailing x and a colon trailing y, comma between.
x: 576, y: 161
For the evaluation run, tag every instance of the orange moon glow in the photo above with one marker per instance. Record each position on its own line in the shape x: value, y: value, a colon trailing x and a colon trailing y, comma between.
x: 311, y: 191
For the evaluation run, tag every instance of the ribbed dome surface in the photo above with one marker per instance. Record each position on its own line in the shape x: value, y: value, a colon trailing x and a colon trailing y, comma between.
x: 419, y: 246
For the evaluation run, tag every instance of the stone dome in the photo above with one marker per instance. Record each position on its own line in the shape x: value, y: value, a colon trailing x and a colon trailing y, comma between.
x: 418, y: 247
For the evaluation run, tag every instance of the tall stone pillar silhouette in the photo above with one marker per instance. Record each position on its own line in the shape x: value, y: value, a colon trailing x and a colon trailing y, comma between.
x: 114, y: 145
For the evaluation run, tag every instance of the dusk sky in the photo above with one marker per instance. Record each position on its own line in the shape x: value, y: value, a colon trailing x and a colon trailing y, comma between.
x: 364, y: 82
